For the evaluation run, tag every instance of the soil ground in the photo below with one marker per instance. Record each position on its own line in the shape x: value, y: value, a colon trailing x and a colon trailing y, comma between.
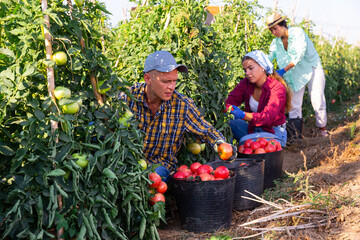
x: 332, y: 166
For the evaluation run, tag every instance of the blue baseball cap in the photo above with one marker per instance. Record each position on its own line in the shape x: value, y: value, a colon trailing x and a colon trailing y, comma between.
x: 162, y: 61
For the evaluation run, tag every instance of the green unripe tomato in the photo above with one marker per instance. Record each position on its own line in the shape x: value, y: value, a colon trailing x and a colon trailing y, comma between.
x: 79, y: 2
x: 81, y: 159
x: 143, y: 164
x: 124, y: 120
x: 60, y: 58
x: 104, y: 90
x: 67, y: 174
x: 70, y: 108
x: 62, y: 92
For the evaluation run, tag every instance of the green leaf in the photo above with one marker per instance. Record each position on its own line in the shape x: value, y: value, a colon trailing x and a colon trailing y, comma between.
x: 64, y: 151
x: 90, y: 145
x: 29, y: 70
x: 101, y: 115
x: 18, y: 31
x: 39, y: 114
x: 109, y: 174
x: 6, y: 150
x: 9, y: 74
x: 56, y: 173
x: 7, y: 52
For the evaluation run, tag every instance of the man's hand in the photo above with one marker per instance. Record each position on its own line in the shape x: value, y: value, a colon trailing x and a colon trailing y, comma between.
x: 281, y: 72
x: 237, y: 112
x: 217, y: 144
x: 233, y: 157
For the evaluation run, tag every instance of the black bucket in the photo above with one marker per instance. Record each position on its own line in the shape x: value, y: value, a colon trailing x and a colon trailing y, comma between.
x: 273, y: 165
x: 249, y: 177
x: 204, y: 206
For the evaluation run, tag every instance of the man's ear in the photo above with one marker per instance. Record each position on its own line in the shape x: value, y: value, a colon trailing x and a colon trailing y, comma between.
x: 147, y: 78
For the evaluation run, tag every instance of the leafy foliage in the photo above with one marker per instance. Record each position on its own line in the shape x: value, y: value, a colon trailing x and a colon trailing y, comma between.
x: 43, y: 190
x: 178, y: 27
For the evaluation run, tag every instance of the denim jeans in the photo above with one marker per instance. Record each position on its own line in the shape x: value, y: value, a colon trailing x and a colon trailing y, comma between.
x: 163, y: 172
x: 239, y: 129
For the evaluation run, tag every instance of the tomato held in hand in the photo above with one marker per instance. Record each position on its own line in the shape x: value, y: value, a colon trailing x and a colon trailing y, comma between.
x: 225, y: 151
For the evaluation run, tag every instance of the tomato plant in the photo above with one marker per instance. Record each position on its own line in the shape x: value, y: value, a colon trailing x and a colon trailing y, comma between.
x: 50, y: 188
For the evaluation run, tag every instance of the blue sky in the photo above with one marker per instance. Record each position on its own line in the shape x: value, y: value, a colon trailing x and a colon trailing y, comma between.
x: 331, y: 17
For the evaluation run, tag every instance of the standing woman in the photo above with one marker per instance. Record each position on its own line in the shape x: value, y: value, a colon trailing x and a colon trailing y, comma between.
x: 300, y: 66
x: 267, y: 98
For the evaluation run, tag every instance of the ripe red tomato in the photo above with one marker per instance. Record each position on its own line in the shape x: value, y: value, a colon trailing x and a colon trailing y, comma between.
x: 279, y: 148
x: 195, y: 166
x: 270, y: 148
x: 162, y: 188
x: 159, y: 197
x: 227, y: 106
x: 259, y: 151
x: 204, y: 169
x: 182, y: 167
x: 191, y: 177
x: 263, y: 142
x: 186, y: 171
x: 255, y: 145
x: 333, y: 101
x: 155, y: 178
x: 275, y: 143
x: 179, y: 175
x: 206, y: 177
x: 225, y: 151
x: 221, y: 172
x: 247, y: 151
x: 241, y: 148
x: 248, y: 143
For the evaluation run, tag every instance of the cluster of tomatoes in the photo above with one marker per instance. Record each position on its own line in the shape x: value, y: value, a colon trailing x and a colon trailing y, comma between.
x: 259, y: 146
x: 198, y: 171
x: 157, y: 187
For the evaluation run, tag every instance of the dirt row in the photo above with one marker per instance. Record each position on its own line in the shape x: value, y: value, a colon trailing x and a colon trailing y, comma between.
x: 331, y: 168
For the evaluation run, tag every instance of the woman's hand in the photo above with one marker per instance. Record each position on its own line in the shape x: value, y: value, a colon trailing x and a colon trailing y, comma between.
x: 281, y: 72
x: 237, y: 112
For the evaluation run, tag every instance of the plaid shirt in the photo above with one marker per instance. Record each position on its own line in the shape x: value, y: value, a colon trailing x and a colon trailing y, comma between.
x: 165, y: 132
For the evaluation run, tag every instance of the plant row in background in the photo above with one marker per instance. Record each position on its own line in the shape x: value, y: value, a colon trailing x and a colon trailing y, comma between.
x: 214, y: 52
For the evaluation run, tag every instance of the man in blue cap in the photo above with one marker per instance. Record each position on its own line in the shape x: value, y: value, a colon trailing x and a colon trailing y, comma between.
x: 165, y: 115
